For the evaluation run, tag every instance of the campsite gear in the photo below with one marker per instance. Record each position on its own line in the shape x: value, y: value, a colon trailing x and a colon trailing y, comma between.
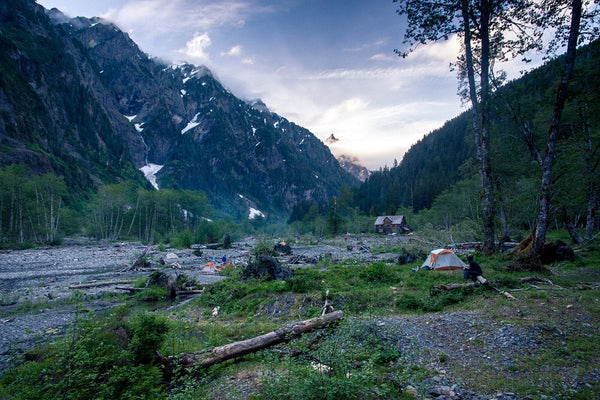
x: 443, y: 259
x: 209, y: 268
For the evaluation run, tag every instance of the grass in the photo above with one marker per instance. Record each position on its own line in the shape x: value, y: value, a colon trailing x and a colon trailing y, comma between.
x: 362, y: 358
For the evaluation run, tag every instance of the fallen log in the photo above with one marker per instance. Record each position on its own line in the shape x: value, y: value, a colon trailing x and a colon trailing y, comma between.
x: 535, y: 279
x: 140, y: 260
x: 452, y: 286
x: 131, y: 289
x: 508, y: 295
x: 186, y: 292
x: 206, y: 358
x: 96, y: 284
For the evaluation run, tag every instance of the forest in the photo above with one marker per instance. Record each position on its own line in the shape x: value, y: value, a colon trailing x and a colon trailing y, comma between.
x: 444, y: 180
x: 435, y: 183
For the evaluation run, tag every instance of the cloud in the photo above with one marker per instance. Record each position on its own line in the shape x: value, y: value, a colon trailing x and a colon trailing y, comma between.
x: 365, y: 46
x: 378, y: 134
x: 163, y: 15
x: 382, y: 57
x: 196, y: 47
x: 447, y: 50
x: 347, y: 107
x: 234, y: 51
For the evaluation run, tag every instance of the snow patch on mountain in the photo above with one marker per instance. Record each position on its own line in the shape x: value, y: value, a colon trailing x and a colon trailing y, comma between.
x: 150, y: 172
x: 253, y: 213
x: 192, y: 124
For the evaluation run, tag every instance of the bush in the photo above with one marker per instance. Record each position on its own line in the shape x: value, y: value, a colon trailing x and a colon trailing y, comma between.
x: 148, y: 332
x: 99, y: 359
x: 182, y: 240
x: 378, y: 272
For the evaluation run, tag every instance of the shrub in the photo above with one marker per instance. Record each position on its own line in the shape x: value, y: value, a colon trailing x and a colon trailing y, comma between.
x: 97, y: 360
x: 378, y: 272
x: 148, y: 333
x: 182, y: 240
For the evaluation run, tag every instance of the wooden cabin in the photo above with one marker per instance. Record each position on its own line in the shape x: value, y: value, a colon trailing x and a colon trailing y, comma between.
x: 391, y: 224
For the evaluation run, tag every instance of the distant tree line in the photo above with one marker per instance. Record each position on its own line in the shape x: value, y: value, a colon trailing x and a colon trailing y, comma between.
x: 40, y: 210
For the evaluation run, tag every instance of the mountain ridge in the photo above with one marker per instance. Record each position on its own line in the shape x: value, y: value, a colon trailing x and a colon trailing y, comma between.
x: 115, y: 110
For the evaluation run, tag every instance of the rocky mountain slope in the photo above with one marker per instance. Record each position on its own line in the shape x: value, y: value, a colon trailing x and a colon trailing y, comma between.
x: 78, y: 97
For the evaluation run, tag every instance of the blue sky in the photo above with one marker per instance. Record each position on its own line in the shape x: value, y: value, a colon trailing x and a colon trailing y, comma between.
x: 327, y: 65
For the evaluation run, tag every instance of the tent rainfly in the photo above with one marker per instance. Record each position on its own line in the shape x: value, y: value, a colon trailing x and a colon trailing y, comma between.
x: 209, y: 268
x: 443, y: 259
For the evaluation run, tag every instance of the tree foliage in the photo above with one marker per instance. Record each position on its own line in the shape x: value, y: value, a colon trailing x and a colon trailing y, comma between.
x: 30, y: 205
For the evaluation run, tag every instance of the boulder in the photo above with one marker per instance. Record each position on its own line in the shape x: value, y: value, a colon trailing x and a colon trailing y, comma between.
x: 266, y: 267
x: 167, y: 280
x: 406, y: 257
x: 283, y: 248
x: 556, y: 251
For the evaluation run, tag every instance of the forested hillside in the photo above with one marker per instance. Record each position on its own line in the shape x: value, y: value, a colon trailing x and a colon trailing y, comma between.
x: 83, y: 110
x: 439, y: 174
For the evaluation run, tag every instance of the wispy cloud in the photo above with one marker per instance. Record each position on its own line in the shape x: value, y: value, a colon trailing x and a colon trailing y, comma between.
x: 163, y: 15
x: 366, y: 46
x: 382, y: 57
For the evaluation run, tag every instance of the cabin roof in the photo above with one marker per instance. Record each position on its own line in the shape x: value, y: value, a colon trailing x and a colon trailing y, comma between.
x: 395, y: 219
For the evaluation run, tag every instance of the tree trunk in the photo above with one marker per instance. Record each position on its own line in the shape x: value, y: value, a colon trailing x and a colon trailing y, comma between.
x: 206, y: 358
x: 573, y: 232
x: 591, y: 166
x: 548, y: 162
x: 591, y: 213
x: 480, y: 112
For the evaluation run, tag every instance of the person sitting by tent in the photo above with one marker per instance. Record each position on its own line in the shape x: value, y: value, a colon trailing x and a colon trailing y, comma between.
x: 473, y: 270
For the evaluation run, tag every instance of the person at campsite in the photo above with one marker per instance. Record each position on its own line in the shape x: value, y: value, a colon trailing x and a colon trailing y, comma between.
x: 224, y: 259
x: 473, y: 270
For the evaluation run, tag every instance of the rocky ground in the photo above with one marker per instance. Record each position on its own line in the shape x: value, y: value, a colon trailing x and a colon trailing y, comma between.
x: 37, y: 286
x: 37, y: 292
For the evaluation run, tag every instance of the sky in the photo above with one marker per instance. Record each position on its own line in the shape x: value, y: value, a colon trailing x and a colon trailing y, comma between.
x: 326, y: 65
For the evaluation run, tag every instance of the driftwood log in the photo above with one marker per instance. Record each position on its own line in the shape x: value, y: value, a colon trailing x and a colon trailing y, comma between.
x: 206, y: 358
x: 452, y: 286
x: 97, y: 284
x: 131, y: 289
x: 179, y: 292
x: 140, y: 260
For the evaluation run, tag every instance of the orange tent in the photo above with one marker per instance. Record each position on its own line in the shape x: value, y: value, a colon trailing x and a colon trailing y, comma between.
x: 443, y: 259
x: 209, y: 268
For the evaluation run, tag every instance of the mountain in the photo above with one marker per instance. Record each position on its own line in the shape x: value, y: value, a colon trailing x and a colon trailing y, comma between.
x: 352, y: 165
x: 79, y: 98
x: 331, y: 139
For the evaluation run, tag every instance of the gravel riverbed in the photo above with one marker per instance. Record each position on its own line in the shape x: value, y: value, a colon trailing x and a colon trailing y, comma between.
x: 36, y: 285
x: 36, y: 289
